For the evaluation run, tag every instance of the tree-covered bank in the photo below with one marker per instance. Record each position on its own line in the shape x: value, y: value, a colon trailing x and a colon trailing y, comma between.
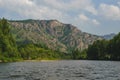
x: 8, y: 47
x: 100, y: 50
x: 12, y: 50
x: 105, y: 49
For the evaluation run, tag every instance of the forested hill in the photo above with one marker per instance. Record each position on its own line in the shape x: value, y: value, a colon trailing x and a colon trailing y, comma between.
x: 52, y: 33
x: 12, y: 51
x: 105, y: 49
x: 27, y: 47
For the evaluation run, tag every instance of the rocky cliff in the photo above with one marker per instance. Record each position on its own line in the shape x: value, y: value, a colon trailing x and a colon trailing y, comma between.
x: 52, y: 33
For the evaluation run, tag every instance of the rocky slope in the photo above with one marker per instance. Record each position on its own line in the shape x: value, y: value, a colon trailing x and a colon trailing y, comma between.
x: 54, y: 34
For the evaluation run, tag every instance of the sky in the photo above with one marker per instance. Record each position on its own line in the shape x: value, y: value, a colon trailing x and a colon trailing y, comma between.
x: 98, y: 17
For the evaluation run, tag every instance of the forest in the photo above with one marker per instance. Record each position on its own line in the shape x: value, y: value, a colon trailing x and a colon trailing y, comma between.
x: 105, y: 49
x: 11, y: 50
x: 100, y: 50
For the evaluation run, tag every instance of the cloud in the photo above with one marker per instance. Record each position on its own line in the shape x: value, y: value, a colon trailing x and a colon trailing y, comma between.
x: 37, y: 8
x: 72, y: 5
x: 95, y: 22
x: 110, y: 11
x: 92, y: 10
x: 83, y: 17
x: 46, y: 9
x: 28, y: 9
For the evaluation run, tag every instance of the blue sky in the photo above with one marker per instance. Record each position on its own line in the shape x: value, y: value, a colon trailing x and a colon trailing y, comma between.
x: 93, y: 16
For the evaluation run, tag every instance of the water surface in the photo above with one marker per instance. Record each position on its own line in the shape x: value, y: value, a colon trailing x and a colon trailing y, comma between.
x: 61, y: 70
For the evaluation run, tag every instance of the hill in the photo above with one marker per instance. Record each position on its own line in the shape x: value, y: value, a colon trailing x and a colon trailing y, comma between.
x: 109, y: 36
x: 52, y: 33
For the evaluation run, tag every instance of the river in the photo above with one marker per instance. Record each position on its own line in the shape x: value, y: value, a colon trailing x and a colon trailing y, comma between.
x: 61, y: 70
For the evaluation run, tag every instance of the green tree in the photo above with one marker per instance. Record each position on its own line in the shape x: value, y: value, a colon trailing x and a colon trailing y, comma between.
x: 98, y: 50
x: 8, y: 47
x: 78, y: 54
x: 114, y: 48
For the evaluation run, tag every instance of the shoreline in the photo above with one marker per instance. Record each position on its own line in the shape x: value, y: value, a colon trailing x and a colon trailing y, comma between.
x: 38, y: 60
x: 50, y: 60
x: 34, y: 60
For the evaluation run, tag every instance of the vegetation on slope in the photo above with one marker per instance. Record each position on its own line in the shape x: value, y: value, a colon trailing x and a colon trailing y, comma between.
x: 54, y: 34
x: 12, y: 50
x: 105, y: 49
x: 8, y: 47
x: 101, y: 50
x: 26, y: 50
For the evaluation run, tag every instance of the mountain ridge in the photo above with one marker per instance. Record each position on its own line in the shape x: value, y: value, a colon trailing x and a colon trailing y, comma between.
x: 109, y: 36
x: 54, y: 34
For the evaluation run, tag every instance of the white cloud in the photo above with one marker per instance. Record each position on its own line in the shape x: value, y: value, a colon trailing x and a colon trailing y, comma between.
x: 28, y: 9
x: 92, y: 10
x: 46, y: 9
x: 71, y: 5
x: 50, y: 9
x: 95, y: 22
x: 110, y: 11
x: 83, y: 17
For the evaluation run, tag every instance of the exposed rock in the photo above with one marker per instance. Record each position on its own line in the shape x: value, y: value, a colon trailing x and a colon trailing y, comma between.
x: 54, y: 34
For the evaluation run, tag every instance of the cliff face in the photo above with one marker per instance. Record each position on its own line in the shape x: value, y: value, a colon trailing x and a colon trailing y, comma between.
x: 52, y: 33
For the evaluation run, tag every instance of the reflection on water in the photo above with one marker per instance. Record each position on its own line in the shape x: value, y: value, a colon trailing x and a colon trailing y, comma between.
x: 61, y: 70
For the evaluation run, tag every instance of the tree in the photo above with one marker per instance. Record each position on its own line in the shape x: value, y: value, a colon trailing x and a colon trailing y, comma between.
x: 8, y: 47
x: 78, y: 54
x: 98, y: 50
x: 114, y: 48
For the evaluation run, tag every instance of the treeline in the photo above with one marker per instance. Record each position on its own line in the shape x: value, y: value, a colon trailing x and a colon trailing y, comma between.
x: 8, y: 47
x: 32, y: 51
x: 105, y: 50
x: 100, y: 50
x: 10, y: 50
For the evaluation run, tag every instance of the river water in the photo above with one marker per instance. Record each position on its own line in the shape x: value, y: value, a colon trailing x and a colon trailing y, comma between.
x: 61, y: 70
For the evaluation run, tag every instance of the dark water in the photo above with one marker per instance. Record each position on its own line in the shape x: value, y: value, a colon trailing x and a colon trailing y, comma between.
x: 61, y: 70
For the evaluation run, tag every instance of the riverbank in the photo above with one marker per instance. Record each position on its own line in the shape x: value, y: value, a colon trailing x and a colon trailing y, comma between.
x: 38, y: 60
x: 31, y: 61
